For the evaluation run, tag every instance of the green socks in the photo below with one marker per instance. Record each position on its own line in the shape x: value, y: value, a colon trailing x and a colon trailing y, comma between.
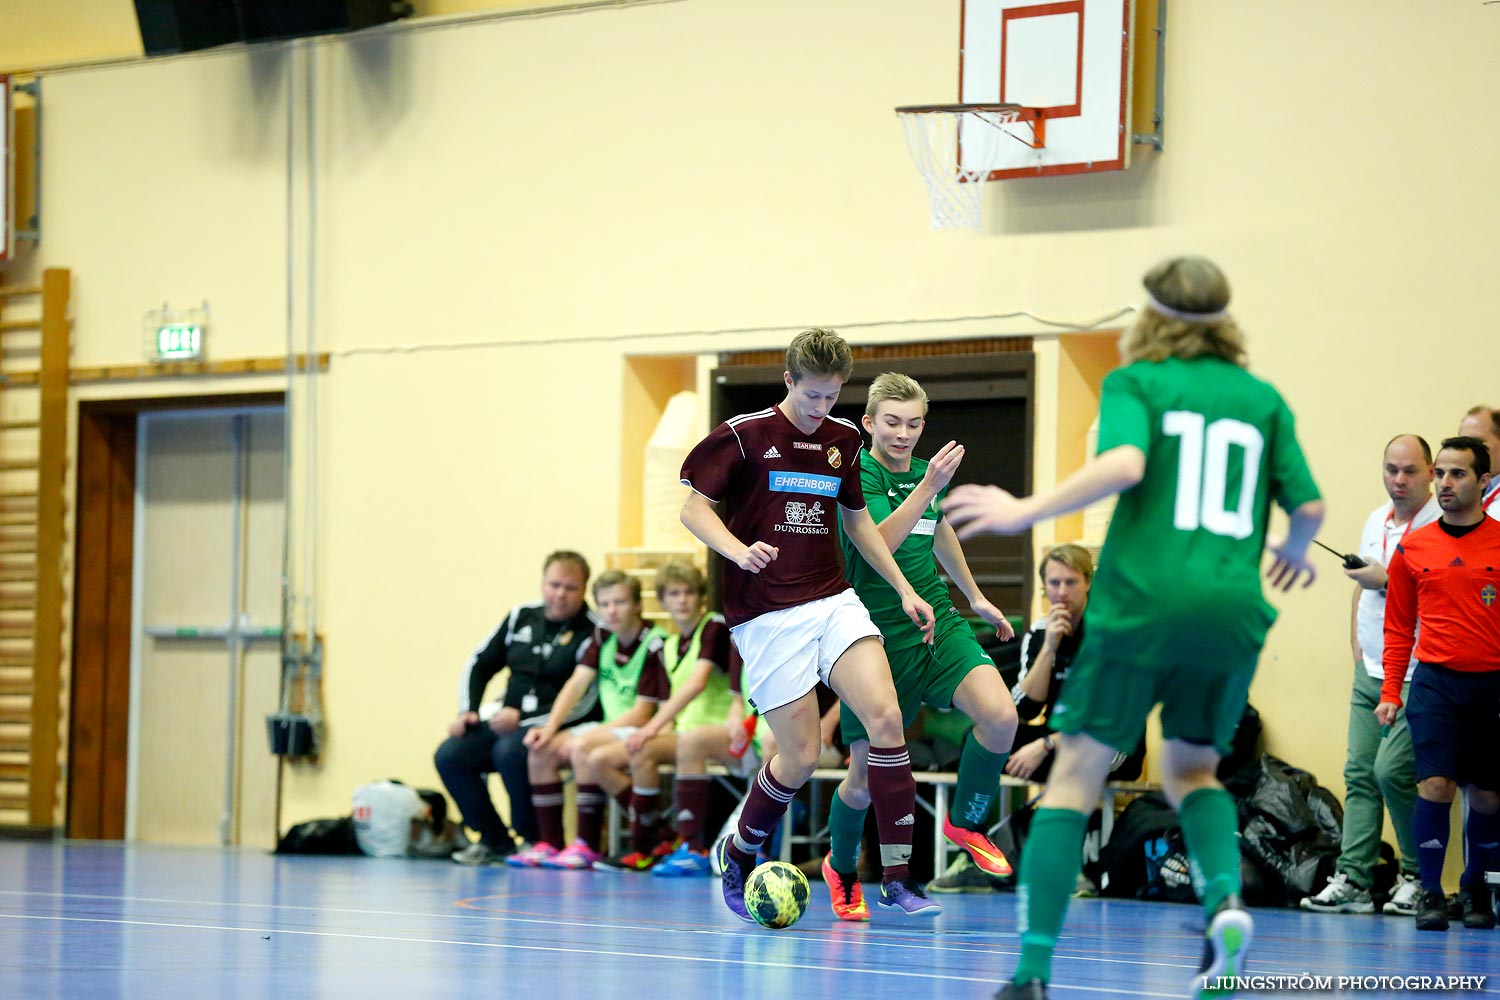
x: 1049, y: 872
x: 974, y: 799
x: 1054, y: 856
x: 1211, y: 826
x: 846, y: 827
x: 978, y: 784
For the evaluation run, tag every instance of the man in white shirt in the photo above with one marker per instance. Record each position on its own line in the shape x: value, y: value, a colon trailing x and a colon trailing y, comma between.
x: 1483, y: 422
x: 1380, y: 765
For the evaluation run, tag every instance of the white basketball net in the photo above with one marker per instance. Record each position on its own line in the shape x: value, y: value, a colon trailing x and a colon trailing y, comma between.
x: 955, y: 152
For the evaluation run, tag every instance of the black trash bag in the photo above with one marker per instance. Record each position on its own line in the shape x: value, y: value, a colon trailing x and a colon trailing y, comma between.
x: 1265, y: 847
x: 1290, y: 829
x: 1240, y: 769
x: 1304, y: 779
x: 1279, y: 796
x: 1311, y: 866
x: 321, y: 836
x: 1328, y: 813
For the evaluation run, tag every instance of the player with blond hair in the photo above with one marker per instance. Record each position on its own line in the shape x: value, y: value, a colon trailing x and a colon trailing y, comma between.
x: 764, y: 488
x: 1197, y: 449
x: 902, y: 493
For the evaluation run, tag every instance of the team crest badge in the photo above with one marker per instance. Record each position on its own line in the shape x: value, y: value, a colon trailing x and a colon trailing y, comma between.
x: 834, y: 458
x: 1487, y: 595
x: 565, y: 638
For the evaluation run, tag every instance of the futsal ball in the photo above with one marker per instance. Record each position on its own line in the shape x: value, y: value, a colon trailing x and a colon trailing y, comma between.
x: 776, y: 894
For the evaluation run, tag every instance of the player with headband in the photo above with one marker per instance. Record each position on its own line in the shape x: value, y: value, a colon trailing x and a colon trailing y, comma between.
x: 1197, y: 449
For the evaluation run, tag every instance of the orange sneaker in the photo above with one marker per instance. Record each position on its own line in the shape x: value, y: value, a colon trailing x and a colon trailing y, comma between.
x: 985, y: 854
x: 847, y: 897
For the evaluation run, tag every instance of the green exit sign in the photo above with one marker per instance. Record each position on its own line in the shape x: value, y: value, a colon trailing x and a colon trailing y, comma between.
x: 179, y: 342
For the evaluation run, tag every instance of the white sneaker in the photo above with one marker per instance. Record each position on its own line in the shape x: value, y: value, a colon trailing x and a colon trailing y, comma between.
x: 1340, y: 896
x: 478, y: 853
x: 1405, y: 895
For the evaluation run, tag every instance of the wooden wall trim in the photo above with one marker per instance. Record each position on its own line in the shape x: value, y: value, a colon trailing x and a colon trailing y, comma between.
x: 877, y: 352
x: 90, y: 617
x: 51, y: 474
x: 120, y: 591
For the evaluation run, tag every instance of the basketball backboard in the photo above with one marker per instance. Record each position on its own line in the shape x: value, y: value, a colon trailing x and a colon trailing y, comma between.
x: 1068, y: 58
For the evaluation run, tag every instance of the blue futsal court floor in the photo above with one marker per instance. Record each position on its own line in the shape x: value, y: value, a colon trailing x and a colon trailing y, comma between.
x: 84, y: 920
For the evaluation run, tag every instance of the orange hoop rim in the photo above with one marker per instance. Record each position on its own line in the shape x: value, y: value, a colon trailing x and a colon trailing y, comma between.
x: 1016, y: 112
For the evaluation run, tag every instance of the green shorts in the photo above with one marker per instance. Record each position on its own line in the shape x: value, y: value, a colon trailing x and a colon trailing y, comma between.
x: 1198, y: 667
x: 926, y: 674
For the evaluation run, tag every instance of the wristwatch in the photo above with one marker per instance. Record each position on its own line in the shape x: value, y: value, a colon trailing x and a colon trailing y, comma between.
x: 1050, y: 742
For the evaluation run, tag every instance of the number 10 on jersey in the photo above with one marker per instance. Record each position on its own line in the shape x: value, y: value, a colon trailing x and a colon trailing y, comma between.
x: 1203, y: 472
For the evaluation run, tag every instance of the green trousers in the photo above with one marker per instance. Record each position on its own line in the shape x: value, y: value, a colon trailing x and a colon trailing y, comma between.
x: 1378, y: 771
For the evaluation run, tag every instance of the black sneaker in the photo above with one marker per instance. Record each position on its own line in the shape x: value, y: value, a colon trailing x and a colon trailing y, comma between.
x: 1432, y: 911
x: 1032, y: 989
x: 1224, y: 946
x: 1478, y: 907
x: 963, y: 875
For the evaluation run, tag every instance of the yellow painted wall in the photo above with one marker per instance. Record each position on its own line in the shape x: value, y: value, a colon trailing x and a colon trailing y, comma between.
x: 729, y: 164
x: 649, y: 382
x: 36, y: 34
x: 42, y: 34
x: 1083, y: 361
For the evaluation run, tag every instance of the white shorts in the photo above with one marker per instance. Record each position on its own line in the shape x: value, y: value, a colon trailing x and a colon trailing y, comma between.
x: 622, y: 733
x: 787, y: 652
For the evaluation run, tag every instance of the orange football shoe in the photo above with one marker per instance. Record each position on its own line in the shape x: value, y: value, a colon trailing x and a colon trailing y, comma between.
x: 985, y: 854
x: 846, y: 895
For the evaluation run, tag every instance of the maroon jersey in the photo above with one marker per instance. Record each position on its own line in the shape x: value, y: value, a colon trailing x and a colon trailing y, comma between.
x: 774, y: 484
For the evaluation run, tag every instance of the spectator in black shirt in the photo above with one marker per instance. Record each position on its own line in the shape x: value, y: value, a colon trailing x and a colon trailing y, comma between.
x: 1047, y: 652
x: 540, y: 642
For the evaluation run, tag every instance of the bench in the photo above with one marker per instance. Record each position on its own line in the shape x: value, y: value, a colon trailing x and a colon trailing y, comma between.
x: 935, y: 804
x: 934, y: 801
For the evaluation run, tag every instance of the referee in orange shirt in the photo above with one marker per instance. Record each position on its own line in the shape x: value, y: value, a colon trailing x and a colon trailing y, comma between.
x: 1447, y: 575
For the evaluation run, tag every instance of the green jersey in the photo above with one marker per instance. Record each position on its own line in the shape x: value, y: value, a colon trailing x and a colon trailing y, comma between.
x: 625, y: 675
x: 680, y: 655
x: 885, y: 491
x: 1220, y: 446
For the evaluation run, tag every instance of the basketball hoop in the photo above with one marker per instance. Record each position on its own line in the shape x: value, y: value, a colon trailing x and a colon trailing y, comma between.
x: 955, y: 146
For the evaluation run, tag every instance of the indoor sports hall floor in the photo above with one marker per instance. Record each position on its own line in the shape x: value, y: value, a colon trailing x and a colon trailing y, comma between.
x: 83, y: 920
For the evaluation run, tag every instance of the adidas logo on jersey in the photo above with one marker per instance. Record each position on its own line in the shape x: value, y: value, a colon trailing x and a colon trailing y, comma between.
x: 759, y: 833
x: 907, y: 820
x: 771, y: 452
x: 1457, y: 561
x: 1433, y: 843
